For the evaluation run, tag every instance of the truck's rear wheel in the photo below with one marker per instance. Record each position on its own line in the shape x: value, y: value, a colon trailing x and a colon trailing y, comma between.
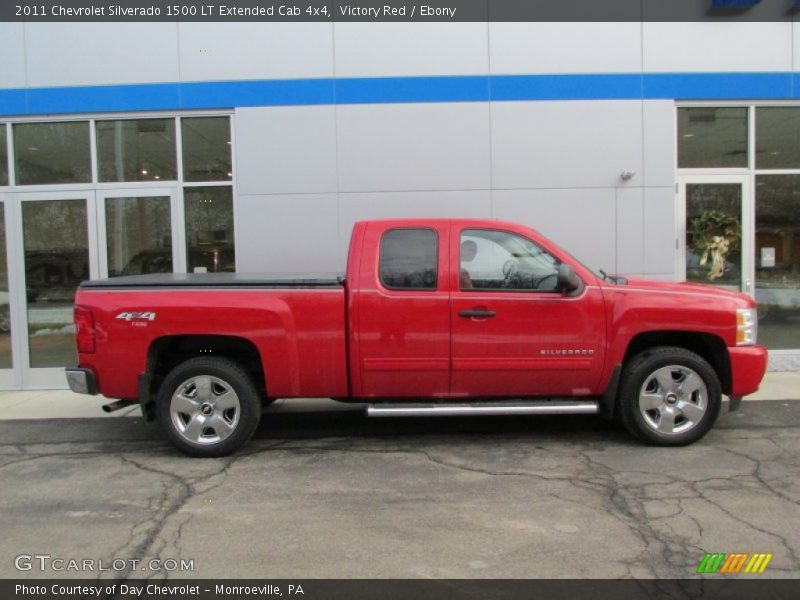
x: 669, y: 396
x: 208, y: 406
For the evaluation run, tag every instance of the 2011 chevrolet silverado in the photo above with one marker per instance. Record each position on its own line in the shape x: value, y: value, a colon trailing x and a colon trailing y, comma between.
x: 434, y: 317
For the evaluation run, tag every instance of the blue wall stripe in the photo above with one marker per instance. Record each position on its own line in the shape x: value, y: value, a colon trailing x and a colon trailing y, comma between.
x: 376, y: 90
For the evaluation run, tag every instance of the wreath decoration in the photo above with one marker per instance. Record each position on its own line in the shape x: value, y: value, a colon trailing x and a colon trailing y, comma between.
x: 714, y: 235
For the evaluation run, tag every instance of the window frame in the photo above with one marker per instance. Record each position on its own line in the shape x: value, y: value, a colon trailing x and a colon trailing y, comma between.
x: 436, y: 261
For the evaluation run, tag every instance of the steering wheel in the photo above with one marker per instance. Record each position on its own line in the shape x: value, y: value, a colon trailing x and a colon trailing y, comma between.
x: 539, y: 285
x: 510, y: 270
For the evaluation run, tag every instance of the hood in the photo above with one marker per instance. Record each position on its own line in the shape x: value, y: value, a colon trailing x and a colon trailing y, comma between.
x: 680, y: 287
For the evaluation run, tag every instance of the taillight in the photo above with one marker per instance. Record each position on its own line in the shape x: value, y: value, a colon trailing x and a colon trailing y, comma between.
x: 85, y: 332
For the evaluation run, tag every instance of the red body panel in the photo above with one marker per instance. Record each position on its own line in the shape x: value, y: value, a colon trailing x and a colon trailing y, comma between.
x: 366, y: 341
x: 300, y: 334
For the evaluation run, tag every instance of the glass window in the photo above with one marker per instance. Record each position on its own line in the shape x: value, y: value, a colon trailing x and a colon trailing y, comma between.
x: 3, y: 156
x: 56, y: 249
x: 52, y: 153
x: 206, y: 148
x: 209, y: 229
x: 497, y: 260
x: 714, y: 233
x: 5, y: 316
x: 139, y: 236
x: 778, y: 138
x: 136, y: 150
x: 712, y: 137
x: 778, y: 260
x: 409, y: 259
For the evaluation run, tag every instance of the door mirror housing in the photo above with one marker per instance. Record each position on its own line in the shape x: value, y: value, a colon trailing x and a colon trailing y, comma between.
x: 568, y: 280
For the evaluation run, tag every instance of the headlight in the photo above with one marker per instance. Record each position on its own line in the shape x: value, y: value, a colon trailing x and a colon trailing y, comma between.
x: 746, y: 326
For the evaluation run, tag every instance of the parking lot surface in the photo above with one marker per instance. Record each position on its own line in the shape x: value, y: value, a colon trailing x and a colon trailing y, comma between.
x: 321, y: 491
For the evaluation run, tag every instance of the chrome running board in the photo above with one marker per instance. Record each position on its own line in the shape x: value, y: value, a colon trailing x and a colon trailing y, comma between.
x: 537, y: 407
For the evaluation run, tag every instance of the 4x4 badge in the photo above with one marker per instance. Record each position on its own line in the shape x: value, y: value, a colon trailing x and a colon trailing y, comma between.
x: 130, y: 316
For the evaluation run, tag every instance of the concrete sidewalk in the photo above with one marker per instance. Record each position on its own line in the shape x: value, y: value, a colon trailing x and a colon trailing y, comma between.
x: 63, y: 404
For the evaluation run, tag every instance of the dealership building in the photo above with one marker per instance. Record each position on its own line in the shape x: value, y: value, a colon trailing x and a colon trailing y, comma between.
x: 665, y: 150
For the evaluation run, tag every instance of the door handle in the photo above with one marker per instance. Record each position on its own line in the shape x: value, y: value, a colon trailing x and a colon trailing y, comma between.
x: 477, y: 314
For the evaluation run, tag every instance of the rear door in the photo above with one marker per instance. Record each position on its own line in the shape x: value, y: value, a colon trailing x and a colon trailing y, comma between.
x: 513, y: 333
x: 403, y: 311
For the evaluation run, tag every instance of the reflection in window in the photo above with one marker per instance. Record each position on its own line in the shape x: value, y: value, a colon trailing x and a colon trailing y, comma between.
x: 136, y: 150
x: 206, y: 148
x: 712, y: 137
x: 3, y: 156
x: 497, y: 260
x: 139, y: 237
x: 778, y: 138
x: 5, y: 315
x: 52, y: 153
x: 56, y: 261
x: 408, y: 259
x: 778, y: 259
x: 209, y: 229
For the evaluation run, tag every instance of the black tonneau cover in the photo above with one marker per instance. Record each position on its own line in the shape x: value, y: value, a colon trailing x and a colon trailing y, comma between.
x: 217, y: 280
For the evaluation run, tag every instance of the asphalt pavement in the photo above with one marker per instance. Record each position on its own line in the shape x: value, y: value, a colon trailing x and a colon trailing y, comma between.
x: 322, y: 491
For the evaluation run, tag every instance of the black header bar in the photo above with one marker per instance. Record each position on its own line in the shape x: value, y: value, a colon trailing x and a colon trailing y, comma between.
x: 297, y: 11
x: 728, y: 588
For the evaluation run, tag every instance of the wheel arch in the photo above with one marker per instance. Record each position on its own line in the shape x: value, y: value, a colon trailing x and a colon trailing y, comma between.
x: 167, y: 352
x: 710, y: 347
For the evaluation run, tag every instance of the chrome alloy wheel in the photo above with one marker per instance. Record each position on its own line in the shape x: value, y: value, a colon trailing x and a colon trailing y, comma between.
x: 205, y: 409
x: 673, y: 399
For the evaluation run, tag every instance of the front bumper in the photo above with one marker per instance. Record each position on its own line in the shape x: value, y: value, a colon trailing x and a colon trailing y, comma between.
x: 81, y: 381
x: 748, y: 365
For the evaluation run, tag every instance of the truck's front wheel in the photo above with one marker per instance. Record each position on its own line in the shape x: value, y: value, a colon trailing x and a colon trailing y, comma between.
x: 208, y: 406
x: 669, y: 396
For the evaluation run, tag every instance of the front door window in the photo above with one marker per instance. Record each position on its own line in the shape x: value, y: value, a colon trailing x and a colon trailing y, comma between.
x: 714, y: 234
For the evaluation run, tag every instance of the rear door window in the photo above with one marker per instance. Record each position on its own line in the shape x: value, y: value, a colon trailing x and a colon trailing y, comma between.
x: 408, y: 259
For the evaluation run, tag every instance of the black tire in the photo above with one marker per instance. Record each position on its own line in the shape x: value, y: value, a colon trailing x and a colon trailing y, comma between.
x: 690, y: 413
x: 206, y: 383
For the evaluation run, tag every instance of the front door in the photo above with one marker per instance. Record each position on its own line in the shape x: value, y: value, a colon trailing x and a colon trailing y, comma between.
x: 717, y: 236
x: 513, y: 333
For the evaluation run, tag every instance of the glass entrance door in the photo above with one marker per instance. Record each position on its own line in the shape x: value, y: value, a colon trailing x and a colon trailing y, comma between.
x: 136, y: 232
x: 58, y: 251
x: 717, y: 231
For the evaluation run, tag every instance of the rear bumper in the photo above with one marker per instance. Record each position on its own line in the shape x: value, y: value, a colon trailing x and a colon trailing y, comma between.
x: 748, y: 365
x: 81, y: 381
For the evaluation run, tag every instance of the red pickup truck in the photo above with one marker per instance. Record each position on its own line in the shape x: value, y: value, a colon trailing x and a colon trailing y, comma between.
x: 434, y: 317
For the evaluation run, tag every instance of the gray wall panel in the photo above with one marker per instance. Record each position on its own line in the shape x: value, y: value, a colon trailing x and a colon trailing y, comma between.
x: 413, y: 147
x: 381, y: 49
x: 630, y: 230
x: 697, y: 46
x: 100, y: 53
x: 286, y: 150
x: 565, y: 47
x: 565, y: 144
x: 12, y: 49
x: 582, y: 221
x: 287, y: 234
x: 210, y: 51
x: 659, y: 230
x: 659, y: 139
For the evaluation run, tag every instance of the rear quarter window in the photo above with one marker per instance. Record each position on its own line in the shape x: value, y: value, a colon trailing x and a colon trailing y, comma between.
x: 408, y: 259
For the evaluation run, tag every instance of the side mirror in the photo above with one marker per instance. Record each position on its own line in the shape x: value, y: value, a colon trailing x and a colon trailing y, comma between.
x: 568, y: 281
